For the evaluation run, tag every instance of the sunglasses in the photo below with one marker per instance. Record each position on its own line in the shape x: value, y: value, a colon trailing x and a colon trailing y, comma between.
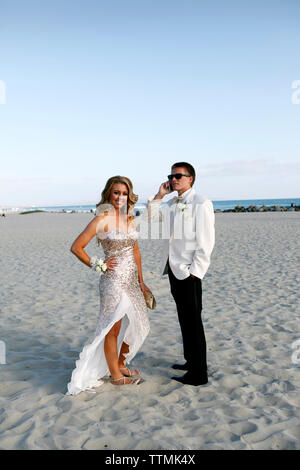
x: 178, y: 176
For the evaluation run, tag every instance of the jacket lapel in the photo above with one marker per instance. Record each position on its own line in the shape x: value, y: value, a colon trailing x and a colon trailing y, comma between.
x: 176, y: 214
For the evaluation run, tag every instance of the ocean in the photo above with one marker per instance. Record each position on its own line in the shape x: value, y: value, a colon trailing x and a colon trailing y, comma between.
x: 222, y: 205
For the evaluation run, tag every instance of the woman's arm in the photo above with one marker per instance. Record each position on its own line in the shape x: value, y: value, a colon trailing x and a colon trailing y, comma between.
x: 138, y: 260
x: 83, y: 239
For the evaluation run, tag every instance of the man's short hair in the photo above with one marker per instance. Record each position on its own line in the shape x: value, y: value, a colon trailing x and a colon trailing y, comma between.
x: 188, y: 167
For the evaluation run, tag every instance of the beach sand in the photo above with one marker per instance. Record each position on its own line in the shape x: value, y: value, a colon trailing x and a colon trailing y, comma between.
x: 49, y: 310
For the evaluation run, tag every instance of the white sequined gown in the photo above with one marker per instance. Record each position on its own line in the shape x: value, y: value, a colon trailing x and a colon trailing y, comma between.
x: 120, y: 297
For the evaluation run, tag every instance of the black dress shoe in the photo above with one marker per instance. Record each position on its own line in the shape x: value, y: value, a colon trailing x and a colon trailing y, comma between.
x: 187, y: 379
x: 180, y: 366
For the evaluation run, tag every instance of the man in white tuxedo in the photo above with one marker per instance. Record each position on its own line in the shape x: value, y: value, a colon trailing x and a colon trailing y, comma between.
x: 188, y: 229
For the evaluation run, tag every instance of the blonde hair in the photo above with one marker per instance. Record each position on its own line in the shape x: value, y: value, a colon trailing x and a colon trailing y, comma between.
x: 105, y: 196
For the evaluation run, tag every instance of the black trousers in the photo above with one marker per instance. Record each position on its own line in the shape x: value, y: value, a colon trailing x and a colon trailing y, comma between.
x: 187, y: 294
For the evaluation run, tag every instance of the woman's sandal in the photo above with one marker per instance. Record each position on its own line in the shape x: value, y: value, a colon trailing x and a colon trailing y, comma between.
x: 133, y: 381
x: 130, y: 373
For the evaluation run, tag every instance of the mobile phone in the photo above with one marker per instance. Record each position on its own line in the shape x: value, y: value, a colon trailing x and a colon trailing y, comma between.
x: 170, y: 186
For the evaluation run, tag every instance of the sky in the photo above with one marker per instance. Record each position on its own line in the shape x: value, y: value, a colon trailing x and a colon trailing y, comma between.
x: 92, y: 89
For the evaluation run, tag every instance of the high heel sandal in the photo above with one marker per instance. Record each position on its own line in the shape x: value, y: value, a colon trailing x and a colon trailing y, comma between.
x: 130, y: 373
x: 133, y: 381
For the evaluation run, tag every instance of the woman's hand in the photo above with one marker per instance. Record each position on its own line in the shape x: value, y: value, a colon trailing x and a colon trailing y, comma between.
x: 144, y: 288
x: 111, y: 263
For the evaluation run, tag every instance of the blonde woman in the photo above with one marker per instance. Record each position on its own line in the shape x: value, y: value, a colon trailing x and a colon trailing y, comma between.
x: 123, y: 321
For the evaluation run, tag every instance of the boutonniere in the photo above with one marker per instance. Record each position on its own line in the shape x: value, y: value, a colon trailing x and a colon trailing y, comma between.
x: 181, y: 206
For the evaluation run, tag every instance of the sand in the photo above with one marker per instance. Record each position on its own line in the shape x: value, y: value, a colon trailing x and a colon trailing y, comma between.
x: 49, y: 309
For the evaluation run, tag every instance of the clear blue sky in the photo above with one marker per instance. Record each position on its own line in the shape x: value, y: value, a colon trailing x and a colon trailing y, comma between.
x: 99, y: 88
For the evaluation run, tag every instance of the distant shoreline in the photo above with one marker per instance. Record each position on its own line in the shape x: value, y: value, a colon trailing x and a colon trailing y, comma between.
x: 239, y: 205
x: 237, y: 209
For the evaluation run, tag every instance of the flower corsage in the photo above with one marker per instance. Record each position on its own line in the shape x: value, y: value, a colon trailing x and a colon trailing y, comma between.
x: 98, y: 265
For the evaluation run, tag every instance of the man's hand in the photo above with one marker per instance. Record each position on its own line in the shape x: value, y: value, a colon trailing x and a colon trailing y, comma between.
x: 163, y: 190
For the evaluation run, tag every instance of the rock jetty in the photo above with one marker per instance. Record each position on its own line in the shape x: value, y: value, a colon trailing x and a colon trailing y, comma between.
x: 251, y: 208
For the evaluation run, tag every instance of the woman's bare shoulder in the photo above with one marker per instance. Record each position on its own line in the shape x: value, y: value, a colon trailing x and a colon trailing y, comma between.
x: 100, y: 221
x: 131, y: 222
x: 95, y: 224
x: 100, y: 217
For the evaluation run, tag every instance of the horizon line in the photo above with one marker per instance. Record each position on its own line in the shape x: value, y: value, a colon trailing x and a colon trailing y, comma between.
x: 142, y: 202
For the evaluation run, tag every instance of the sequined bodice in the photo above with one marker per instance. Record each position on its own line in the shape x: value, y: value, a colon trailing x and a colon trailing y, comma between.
x: 118, y: 243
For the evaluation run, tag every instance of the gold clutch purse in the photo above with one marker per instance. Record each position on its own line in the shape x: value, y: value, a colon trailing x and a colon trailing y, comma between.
x: 149, y: 299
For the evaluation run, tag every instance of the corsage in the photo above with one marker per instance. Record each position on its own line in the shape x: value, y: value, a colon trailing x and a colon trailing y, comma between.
x: 98, y: 265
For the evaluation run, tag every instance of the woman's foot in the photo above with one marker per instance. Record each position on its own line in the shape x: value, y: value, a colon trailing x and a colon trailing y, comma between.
x: 125, y: 381
x: 129, y: 373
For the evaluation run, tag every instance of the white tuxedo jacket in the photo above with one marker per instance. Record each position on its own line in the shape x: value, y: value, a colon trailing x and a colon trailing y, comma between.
x: 188, y: 229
